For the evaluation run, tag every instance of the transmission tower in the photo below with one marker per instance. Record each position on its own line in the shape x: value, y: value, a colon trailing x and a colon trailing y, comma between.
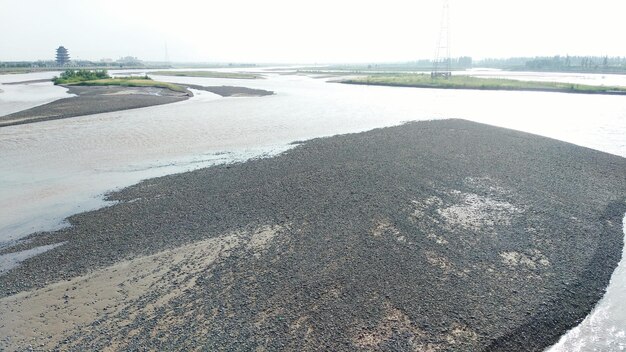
x: 441, y: 64
x: 167, y: 56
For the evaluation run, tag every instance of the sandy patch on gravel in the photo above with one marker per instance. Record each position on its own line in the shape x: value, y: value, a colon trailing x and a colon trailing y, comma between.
x: 476, y: 212
x: 532, y: 260
x: 384, y: 227
x: 438, y: 239
x: 395, y: 322
x: 421, y: 206
x: 44, y: 317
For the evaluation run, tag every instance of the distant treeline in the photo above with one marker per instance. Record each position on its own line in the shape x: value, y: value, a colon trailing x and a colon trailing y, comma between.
x: 549, y: 63
x: 457, y: 63
x: 558, y: 63
x: 73, y: 63
x: 44, y: 65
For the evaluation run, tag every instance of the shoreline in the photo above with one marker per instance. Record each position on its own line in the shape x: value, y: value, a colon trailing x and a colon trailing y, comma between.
x: 392, y: 237
x: 510, y: 89
x: 91, y: 100
x: 31, y: 81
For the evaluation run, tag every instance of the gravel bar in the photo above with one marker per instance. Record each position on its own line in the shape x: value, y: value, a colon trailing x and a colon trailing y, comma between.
x: 232, y: 91
x: 442, y: 235
x: 94, y: 100
x: 90, y: 100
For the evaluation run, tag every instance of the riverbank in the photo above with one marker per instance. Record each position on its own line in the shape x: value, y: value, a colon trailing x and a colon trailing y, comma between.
x: 96, y: 99
x: 479, y: 83
x: 431, y: 235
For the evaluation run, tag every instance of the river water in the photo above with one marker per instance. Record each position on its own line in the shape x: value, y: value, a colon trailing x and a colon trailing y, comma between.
x: 50, y: 170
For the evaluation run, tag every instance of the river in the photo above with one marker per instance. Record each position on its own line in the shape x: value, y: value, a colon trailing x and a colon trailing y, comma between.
x: 50, y: 170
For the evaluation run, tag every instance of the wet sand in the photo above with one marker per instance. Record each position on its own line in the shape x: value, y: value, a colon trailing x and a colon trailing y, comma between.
x: 90, y: 100
x: 441, y: 235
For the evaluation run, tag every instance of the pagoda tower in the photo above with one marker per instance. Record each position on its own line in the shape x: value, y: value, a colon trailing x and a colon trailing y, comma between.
x: 63, y: 56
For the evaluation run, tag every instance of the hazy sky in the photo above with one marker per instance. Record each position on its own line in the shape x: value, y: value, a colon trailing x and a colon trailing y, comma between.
x: 307, y: 31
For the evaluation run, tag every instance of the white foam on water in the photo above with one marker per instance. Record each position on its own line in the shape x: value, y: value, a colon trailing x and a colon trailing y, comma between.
x: 11, y: 260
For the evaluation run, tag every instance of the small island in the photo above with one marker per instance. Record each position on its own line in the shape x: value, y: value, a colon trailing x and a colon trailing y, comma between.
x: 102, y: 78
x: 421, y: 80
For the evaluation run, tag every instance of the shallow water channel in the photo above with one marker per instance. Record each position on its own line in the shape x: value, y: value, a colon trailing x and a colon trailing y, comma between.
x: 50, y: 170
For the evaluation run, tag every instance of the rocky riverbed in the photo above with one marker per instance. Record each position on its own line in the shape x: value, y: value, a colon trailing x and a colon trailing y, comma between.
x: 441, y: 235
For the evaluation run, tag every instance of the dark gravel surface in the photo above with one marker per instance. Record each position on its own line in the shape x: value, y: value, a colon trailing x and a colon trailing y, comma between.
x: 444, y: 236
x: 230, y: 91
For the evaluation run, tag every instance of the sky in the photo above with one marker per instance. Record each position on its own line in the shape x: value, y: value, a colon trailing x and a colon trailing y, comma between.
x: 321, y: 31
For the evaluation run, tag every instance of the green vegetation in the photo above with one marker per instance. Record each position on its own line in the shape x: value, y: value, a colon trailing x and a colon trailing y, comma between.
x: 208, y: 74
x: 468, y: 82
x: 102, y: 78
x: 74, y: 76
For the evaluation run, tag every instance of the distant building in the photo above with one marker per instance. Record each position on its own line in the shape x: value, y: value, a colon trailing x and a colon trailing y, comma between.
x: 63, y: 57
x: 129, y: 61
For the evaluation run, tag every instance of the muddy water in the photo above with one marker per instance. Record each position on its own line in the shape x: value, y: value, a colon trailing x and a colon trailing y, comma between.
x: 19, y: 97
x: 52, y: 169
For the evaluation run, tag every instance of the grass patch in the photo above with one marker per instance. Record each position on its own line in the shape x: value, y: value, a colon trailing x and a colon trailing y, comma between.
x: 468, y: 82
x: 102, y: 78
x: 208, y: 74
